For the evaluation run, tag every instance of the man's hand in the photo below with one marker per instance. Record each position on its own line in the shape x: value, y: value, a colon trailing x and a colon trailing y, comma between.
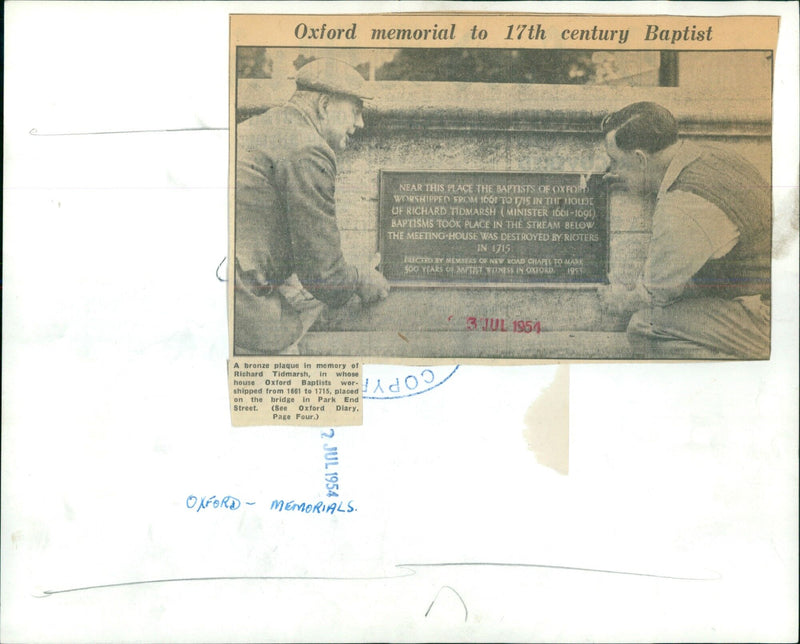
x: 372, y: 286
x: 619, y: 299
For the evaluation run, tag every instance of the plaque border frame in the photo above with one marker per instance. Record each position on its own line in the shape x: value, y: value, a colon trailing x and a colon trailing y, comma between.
x: 582, y: 286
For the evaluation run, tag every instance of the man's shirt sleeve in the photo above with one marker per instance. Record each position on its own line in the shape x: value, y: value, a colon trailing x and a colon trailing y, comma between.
x: 687, y: 232
x: 309, y: 180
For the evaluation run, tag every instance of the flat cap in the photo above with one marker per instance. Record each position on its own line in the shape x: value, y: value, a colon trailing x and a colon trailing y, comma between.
x: 331, y: 75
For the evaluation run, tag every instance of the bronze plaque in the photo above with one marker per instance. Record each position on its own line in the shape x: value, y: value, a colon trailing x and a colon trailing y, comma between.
x: 500, y: 228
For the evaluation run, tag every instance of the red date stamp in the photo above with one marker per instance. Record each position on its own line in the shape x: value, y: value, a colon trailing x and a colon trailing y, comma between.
x: 499, y: 325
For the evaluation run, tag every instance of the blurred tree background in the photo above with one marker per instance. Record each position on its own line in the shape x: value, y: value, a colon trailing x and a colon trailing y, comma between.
x: 561, y: 67
x: 253, y: 62
x: 489, y: 66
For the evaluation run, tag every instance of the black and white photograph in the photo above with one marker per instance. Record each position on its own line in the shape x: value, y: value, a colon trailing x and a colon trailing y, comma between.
x: 458, y: 203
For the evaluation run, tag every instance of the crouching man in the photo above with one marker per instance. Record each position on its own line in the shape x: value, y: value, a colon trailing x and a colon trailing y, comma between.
x: 288, y: 256
x: 705, y: 288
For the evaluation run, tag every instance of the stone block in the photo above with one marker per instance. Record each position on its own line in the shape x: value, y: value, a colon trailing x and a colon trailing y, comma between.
x: 630, y: 213
x: 627, y: 256
x: 359, y: 245
x: 447, y: 309
x: 475, y: 345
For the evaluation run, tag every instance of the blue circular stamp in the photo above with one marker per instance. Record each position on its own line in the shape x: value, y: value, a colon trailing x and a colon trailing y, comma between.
x: 388, y: 382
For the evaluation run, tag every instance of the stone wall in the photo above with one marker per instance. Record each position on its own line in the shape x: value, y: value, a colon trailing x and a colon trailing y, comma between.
x: 530, y: 128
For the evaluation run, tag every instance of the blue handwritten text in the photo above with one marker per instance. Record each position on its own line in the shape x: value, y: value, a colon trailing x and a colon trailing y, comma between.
x: 226, y: 502
x: 320, y: 507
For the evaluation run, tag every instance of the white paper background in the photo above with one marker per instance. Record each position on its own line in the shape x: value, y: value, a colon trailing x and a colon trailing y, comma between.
x: 115, y: 404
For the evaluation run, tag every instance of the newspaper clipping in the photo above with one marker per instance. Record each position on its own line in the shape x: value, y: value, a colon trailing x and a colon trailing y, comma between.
x: 468, y: 188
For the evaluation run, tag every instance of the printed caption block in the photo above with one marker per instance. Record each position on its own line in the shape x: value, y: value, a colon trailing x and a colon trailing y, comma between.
x: 309, y: 391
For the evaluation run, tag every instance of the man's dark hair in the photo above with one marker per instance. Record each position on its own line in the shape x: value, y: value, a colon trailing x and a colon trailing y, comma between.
x: 642, y: 126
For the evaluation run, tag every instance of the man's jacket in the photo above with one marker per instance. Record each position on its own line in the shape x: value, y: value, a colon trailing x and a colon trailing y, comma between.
x: 285, y: 223
x: 285, y: 208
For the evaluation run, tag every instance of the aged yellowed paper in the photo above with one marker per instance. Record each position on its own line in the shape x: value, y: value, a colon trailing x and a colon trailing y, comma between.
x: 493, y: 188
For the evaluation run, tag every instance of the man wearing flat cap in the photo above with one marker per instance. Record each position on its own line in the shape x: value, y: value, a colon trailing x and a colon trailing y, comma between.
x: 705, y: 288
x: 289, y: 262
